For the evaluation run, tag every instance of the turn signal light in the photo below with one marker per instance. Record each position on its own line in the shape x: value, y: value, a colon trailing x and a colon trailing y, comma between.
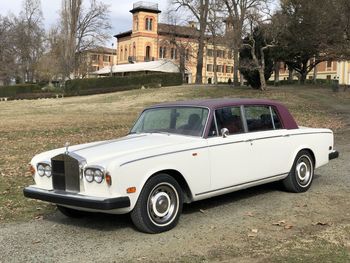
x: 32, y: 170
x: 131, y: 190
x: 108, y: 179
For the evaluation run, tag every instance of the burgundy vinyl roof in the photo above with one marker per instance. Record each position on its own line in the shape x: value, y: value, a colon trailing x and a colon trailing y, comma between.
x: 218, y: 103
x: 286, y: 118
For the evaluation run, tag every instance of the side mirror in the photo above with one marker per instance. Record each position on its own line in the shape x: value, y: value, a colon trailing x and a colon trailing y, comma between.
x: 224, y: 132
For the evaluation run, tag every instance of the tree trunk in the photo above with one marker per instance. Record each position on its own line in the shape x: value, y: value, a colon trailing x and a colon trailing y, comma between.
x: 199, y: 68
x: 315, y: 74
x: 215, y: 80
x: 241, y: 78
x: 182, y: 64
x: 303, y: 76
x: 277, y: 72
x: 235, y: 66
x: 290, y: 73
x: 262, y: 79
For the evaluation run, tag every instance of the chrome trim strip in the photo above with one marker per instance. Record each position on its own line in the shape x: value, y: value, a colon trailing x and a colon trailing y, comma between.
x: 220, y: 144
x: 247, y: 183
x: 157, y: 155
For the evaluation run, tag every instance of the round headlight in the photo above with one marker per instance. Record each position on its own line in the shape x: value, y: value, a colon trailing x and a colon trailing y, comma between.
x: 41, y: 170
x: 98, y: 175
x: 47, y: 170
x: 89, y: 175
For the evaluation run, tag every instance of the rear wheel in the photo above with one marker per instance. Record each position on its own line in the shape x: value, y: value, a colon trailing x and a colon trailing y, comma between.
x: 300, y: 177
x: 159, y: 205
x: 69, y: 212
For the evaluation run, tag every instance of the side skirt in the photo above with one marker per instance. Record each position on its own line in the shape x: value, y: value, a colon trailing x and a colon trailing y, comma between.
x: 238, y: 187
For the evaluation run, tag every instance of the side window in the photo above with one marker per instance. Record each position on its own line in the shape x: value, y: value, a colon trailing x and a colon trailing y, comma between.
x: 230, y: 118
x: 276, y: 119
x: 258, y: 118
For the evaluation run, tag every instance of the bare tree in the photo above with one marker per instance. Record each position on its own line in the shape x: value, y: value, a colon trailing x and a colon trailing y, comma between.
x: 7, y: 51
x: 216, y: 31
x: 199, y: 9
x: 28, y: 35
x: 82, y: 29
x: 238, y: 11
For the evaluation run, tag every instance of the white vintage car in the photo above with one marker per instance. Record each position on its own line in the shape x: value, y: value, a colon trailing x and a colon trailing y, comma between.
x: 182, y: 152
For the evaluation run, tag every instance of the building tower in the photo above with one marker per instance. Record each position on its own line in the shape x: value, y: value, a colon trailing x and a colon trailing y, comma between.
x: 144, y: 31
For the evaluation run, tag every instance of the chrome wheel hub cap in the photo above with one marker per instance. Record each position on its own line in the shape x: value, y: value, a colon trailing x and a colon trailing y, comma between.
x: 160, y: 204
x: 304, y: 171
x: 163, y: 204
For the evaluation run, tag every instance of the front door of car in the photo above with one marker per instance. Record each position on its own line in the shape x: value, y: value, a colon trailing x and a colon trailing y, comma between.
x: 229, y: 155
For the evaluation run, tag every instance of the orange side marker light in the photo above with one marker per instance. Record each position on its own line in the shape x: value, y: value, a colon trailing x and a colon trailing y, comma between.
x: 131, y: 190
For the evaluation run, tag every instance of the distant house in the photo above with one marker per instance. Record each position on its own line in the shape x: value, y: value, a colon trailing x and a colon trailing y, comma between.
x: 95, y: 59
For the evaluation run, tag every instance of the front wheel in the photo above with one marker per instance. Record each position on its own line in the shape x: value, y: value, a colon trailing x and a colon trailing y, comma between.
x: 300, y: 177
x: 159, y: 205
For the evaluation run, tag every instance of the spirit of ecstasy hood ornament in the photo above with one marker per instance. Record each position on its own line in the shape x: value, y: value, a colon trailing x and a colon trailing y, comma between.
x: 66, y: 145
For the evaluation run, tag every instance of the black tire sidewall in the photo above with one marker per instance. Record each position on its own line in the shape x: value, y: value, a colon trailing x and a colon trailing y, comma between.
x: 291, y: 181
x: 142, y: 204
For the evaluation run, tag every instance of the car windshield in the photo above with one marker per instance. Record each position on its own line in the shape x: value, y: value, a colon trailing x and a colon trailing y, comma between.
x: 176, y: 120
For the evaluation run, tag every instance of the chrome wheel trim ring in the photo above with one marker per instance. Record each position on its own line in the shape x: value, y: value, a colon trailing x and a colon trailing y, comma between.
x: 304, y: 171
x: 163, y: 204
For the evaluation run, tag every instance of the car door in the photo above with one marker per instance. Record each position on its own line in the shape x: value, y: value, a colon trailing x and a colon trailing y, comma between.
x: 256, y: 150
x: 271, y: 147
x: 229, y: 155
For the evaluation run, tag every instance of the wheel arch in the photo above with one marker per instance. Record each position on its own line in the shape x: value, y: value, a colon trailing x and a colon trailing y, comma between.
x: 304, y: 148
x: 181, y: 181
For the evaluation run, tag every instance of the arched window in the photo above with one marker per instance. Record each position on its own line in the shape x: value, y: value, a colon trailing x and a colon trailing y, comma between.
x: 148, y: 53
x: 150, y: 24
x: 146, y: 23
x: 134, y: 50
x: 121, y: 53
x: 126, y: 53
x: 137, y: 24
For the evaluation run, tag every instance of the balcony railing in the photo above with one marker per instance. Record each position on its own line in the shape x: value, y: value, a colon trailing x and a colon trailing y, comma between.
x: 144, y: 4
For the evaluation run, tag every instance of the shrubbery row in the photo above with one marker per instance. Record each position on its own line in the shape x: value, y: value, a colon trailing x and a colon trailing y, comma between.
x: 110, y: 84
x: 93, y: 86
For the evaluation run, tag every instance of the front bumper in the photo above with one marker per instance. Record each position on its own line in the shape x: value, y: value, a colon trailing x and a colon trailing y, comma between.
x: 73, y: 199
x: 333, y: 155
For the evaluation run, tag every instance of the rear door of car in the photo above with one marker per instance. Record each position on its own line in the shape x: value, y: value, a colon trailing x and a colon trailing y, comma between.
x: 256, y: 148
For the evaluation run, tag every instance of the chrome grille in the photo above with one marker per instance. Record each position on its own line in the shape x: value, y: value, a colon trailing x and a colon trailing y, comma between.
x: 65, y: 173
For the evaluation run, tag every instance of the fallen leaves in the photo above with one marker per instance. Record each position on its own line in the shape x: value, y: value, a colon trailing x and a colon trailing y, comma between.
x: 284, y: 224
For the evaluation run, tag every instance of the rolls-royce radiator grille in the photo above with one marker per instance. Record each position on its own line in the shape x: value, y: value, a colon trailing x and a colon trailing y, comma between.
x: 65, y: 173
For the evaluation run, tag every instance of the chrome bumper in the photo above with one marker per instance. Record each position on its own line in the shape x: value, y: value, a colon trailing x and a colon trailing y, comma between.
x: 72, y: 199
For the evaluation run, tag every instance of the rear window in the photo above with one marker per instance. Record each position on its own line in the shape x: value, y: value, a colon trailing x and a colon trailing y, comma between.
x: 261, y: 118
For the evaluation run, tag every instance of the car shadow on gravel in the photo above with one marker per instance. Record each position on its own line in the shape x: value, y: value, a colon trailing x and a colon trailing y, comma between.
x: 95, y: 221
x: 235, y: 197
x: 109, y: 222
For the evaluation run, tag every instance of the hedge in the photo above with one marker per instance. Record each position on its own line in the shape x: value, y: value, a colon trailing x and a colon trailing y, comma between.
x: 295, y: 82
x: 13, y: 91
x: 111, y: 84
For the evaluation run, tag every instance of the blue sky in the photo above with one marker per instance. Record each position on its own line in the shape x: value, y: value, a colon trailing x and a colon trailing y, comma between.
x: 120, y: 16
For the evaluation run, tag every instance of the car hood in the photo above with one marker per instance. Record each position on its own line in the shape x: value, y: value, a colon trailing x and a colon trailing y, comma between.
x: 125, y: 148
